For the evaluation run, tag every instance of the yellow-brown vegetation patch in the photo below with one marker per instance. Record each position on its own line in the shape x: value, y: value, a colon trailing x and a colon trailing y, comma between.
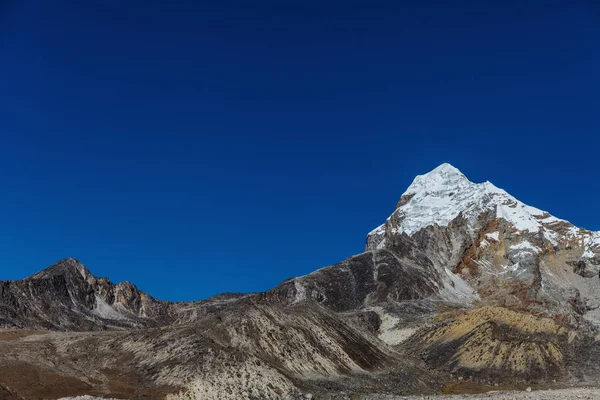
x: 524, y: 323
x: 13, y: 334
x: 497, y: 341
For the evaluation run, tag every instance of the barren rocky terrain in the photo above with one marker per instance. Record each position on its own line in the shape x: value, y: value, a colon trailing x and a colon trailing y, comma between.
x: 463, y: 289
x: 560, y: 394
x: 557, y: 394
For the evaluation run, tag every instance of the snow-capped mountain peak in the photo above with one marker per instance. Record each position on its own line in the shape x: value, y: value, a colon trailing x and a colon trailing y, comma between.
x: 440, y: 196
x: 444, y: 178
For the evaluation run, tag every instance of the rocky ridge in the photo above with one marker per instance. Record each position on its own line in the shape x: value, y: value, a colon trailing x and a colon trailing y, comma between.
x: 66, y: 296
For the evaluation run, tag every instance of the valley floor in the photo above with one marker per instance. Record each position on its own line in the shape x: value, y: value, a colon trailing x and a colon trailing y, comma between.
x: 559, y: 394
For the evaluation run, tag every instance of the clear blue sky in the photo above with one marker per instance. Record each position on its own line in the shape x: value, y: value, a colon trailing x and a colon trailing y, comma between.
x: 195, y: 148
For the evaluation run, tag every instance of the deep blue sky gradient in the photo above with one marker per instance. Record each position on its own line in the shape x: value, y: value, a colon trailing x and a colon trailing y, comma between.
x: 194, y: 147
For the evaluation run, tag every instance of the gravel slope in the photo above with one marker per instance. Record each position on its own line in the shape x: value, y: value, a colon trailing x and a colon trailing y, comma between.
x: 562, y: 394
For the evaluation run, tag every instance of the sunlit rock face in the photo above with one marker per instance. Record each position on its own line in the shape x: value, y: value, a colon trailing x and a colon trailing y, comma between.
x: 509, y: 253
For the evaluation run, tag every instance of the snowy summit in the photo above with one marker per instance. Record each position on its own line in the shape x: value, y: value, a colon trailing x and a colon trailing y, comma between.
x: 438, y: 197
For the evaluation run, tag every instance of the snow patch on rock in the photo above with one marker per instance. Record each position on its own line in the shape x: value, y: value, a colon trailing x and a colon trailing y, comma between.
x: 493, y: 235
x: 527, y: 247
x: 591, y: 245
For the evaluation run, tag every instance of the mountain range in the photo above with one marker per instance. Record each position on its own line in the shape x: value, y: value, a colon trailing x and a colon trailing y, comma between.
x: 463, y: 287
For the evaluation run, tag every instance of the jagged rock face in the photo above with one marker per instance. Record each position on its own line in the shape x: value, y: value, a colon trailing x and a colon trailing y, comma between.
x: 66, y: 296
x: 370, y: 278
